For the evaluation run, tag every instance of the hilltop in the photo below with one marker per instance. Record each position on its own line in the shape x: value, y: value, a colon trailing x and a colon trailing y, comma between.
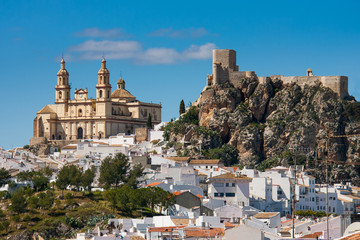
x: 271, y: 121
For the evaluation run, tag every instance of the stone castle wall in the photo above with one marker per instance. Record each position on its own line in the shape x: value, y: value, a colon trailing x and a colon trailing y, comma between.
x: 226, y: 70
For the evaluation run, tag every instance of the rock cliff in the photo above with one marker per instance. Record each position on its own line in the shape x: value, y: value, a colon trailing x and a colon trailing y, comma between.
x: 273, y: 123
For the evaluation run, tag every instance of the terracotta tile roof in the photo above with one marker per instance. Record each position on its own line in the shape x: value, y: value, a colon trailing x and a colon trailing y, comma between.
x: 164, y: 229
x: 231, y: 176
x: 354, y: 236
x: 178, y: 193
x: 46, y: 110
x: 153, y: 184
x: 136, y: 238
x: 345, y: 200
x: 265, y: 215
x: 353, y: 197
x: 116, y: 145
x: 229, y: 225
x: 180, y: 221
x: 199, y: 232
x: 101, y: 143
x: 204, y: 161
x: 312, y: 235
x: 70, y: 147
x: 179, y: 159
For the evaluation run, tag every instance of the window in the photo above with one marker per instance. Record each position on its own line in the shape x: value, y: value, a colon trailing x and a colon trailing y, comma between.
x: 230, y: 194
x: 80, y: 113
x: 226, y: 184
x: 233, y: 184
x: 100, y: 93
x: 218, y: 194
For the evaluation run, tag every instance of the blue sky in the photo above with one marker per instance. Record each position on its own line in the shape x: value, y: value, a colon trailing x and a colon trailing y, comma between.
x: 163, y: 48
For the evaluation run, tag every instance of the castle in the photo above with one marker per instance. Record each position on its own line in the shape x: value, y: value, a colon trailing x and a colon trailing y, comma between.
x: 86, y: 118
x: 226, y: 70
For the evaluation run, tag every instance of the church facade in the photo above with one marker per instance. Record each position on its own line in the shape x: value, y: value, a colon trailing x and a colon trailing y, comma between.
x: 85, y: 118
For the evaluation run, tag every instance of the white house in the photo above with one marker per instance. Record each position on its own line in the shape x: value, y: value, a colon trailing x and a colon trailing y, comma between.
x: 232, y: 188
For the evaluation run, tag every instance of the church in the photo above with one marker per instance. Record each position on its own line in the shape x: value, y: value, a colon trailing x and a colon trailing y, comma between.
x: 85, y: 118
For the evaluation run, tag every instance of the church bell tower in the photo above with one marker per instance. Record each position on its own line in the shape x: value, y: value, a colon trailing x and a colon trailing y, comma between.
x: 103, y: 88
x: 62, y: 88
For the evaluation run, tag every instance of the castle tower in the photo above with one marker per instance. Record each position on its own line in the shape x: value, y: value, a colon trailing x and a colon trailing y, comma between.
x: 224, y: 61
x: 62, y: 88
x: 309, y: 72
x: 103, y: 88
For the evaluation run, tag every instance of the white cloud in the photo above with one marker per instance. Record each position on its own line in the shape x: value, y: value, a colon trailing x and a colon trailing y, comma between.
x: 111, y: 49
x: 199, y: 52
x: 132, y: 50
x: 159, y: 56
x: 181, y: 33
x: 99, y: 33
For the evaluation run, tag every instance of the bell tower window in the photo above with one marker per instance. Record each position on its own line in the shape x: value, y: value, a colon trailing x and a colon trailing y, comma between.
x: 60, y: 95
x: 100, y: 93
x: 80, y: 113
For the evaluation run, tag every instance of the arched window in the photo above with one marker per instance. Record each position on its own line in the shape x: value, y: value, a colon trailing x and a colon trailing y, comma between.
x: 80, y: 113
x: 108, y: 94
x: 60, y: 95
x: 60, y: 81
x: 80, y: 133
x: 100, y: 93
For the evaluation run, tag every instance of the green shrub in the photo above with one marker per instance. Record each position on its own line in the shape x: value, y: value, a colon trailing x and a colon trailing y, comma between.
x: 27, y: 218
x: 15, y: 218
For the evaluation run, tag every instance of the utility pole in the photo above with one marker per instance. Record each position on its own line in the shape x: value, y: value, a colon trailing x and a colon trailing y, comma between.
x: 327, y: 190
x: 293, y: 201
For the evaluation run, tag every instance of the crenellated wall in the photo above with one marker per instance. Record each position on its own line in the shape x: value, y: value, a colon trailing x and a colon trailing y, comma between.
x: 226, y: 70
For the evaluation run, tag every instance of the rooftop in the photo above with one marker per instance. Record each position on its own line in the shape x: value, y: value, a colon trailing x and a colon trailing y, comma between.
x: 231, y: 176
x: 204, y: 233
x: 265, y: 215
x: 205, y: 161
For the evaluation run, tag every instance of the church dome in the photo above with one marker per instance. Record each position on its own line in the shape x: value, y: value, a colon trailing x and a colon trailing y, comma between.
x: 62, y: 70
x: 120, y: 81
x: 122, y: 94
x: 103, y: 68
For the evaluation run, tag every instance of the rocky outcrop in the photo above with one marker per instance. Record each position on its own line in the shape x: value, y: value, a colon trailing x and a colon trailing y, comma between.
x: 267, y: 119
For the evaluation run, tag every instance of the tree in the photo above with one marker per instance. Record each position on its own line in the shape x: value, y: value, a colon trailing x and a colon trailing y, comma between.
x: 40, y: 182
x: 46, y: 200
x: 33, y: 202
x: 18, y: 201
x: 75, y: 176
x: 228, y: 154
x: 149, y: 122
x: 47, y: 172
x: 113, y: 170
x: 4, y: 177
x: 155, y: 197
x: 24, y: 176
x: 63, y: 179
x: 136, y: 172
x: 182, y: 107
x: 87, y: 179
